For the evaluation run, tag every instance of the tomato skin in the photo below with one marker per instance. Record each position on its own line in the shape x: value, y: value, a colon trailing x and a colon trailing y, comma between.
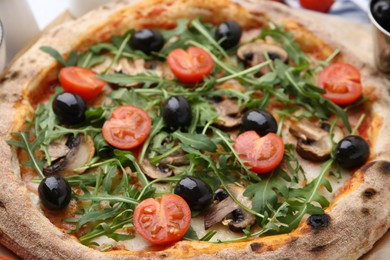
x: 261, y: 154
x: 191, y: 65
x: 342, y: 83
x: 317, y: 5
x: 127, y: 128
x: 162, y: 221
x: 81, y: 81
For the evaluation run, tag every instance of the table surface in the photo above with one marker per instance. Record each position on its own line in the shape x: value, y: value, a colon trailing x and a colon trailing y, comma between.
x: 347, y: 33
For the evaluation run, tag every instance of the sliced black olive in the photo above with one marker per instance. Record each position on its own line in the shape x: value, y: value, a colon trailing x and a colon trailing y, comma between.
x: 69, y: 108
x: 318, y: 220
x: 147, y: 40
x: 195, y: 192
x: 260, y: 121
x: 231, y: 33
x: 240, y: 220
x: 352, y: 152
x: 54, y: 193
x: 381, y: 12
x: 177, y: 112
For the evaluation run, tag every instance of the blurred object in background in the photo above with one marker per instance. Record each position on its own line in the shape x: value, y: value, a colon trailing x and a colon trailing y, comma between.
x: 317, y: 5
x: 19, y: 25
x: 3, y: 54
x: 380, y: 17
x: 356, y: 10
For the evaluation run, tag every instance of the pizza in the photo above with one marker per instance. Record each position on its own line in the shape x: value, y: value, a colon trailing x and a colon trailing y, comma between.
x: 192, y: 129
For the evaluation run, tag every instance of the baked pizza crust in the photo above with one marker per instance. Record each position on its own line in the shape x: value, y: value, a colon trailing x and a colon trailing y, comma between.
x: 359, y: 215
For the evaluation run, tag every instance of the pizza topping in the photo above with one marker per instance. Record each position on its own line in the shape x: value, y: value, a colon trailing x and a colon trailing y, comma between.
x: 164, y: 220
x: 318, y: 220
x: 69, y: 108
x: 229, y: 113
x: 76, y: 152
x: 260, y: 121
x: 153, y: 172
x: 81, y: 81
x: 177, y: 112
x: 195, y: 192
x: 352, y: 152
x: 225, y: 208
x: 261, y: 154
x: 314, y: 143
x: 256, y: 53
x: 191, y: 65
x: 127, y: 128
x: 342, y: 83
x: 147, y: 40
x: 54, y: 193
x: 228, y: 34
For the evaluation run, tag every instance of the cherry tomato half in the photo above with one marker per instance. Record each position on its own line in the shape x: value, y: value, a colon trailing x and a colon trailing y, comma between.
x: 261, y: 154
x: 164, y: 220
x: 81, y: 81
x: 127, y: 128
x: 341, y: 82
x: 191, y: 65
x: 317, y: 5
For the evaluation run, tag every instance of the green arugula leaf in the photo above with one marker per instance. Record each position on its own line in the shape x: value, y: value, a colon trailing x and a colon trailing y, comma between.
x: 196, y: 141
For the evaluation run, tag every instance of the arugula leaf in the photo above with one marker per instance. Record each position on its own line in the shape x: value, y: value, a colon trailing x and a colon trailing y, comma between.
x: 196, y: 141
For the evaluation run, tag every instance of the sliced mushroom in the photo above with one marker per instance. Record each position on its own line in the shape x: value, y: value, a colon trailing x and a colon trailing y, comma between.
x: 67, y: 156
x: 155, y: 172
x: 254, y: 53
x: 314, y: 143
x: 229, y: 113
x: 228, y: 212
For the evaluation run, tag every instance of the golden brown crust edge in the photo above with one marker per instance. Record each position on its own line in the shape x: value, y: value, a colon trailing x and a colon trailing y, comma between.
x: 357, y: 219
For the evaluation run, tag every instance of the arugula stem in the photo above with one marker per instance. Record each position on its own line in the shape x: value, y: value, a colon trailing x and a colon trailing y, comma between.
x: 156, y: 159
x: 360, y: 121
x: 199, y: 27
x: 116, y: 58
x: 168, y: 179
x: 108, y: 198
x: 31, y: 155
x: 244, y: 72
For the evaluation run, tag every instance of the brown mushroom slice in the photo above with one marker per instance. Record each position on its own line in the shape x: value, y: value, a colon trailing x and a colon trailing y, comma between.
x: 154, y: 172
x: 80, y: 150
x: 254, y: 53
x: 221, y: 211
x: 307, y: 131
x: 229, y: 113
x: 314, y: 143
x: 316, y: 151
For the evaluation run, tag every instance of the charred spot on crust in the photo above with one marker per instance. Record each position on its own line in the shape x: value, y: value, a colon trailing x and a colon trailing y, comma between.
x: 318, y: 248
x: 317, y: 221
x: 385, y: 167
x: 163, y: 255
x: 368, y: 193
x: 2, y: 205
x: 365, y: 211
x: 256, y: 246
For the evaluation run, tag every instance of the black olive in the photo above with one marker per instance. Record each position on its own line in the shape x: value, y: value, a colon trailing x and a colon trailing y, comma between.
x: 352, y: 152
x: 177, y: 112
x: 147, y: 40
x: 318, y: 220
x: 381, y: 13
x: 231, y: 33
x: 195, y: 192
x: 260, y: 121
x: 69, y: 108
x: 54, y: 193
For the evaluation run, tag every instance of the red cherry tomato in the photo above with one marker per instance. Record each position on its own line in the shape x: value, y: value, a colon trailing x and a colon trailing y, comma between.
x: 317, y: 5
x: 127, y: 128
x: 261, y: 154
x: 191, y: 65
x: 164, y: 220
x: 341, y: 82
x: 81, y: 81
